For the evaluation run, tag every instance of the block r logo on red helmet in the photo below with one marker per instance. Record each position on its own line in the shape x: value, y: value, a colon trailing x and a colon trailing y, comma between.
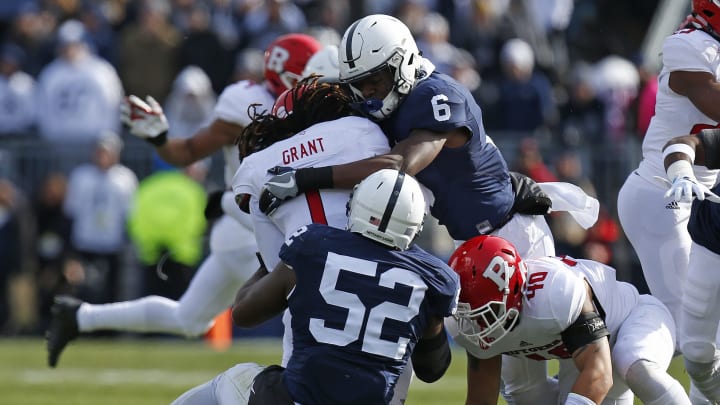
x: 285, y: 59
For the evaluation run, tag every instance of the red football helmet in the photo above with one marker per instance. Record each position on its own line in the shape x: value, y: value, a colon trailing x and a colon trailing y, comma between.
x: 285, y: 102
x: 707, y: 14
x: 285, y: 60
x: 492, y: 281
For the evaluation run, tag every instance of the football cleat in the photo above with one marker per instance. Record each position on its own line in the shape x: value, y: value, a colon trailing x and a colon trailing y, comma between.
x: 63, y: 326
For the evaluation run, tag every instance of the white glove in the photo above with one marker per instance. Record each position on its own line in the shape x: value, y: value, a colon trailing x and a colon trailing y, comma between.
x: 683, y: 189
x: 146, y: 120
x: 680, y: 186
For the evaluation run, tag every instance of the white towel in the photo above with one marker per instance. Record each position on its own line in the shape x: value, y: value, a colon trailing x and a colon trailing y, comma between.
x: 571, y: 198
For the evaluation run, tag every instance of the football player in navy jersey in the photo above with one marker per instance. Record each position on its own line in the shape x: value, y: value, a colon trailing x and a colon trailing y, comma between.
x: 700, y: 309
x: 363, y: 302
x: 435, y: 129
x: 436, y: 133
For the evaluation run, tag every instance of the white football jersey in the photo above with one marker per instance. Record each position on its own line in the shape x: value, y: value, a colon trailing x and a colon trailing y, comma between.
x: 329, y: 143
x: 553, y: 300
x: 234, y: 106
x: 675, y: 115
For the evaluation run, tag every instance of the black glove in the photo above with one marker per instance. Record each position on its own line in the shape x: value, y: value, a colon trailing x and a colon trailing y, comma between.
x: 213, y: 209
x: 282, y: 186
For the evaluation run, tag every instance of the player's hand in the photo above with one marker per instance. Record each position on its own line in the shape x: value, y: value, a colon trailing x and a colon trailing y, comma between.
x: 281, y: 186
x: 683, y: 189
x: 145, y: 119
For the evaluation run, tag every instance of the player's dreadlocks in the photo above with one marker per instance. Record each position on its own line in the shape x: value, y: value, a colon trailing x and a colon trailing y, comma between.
x: 312, y: 102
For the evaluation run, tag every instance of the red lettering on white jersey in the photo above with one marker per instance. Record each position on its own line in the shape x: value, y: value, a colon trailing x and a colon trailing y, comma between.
x: 305, y: 149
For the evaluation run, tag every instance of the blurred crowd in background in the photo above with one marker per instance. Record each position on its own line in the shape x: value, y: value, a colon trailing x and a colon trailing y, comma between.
x: 564, y: 89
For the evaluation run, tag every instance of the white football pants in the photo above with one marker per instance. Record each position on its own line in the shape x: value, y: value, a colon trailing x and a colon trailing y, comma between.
x: 211, y: 291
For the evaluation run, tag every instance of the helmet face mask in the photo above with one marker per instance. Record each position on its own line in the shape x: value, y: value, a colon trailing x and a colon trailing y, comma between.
x: 285, y: 60
x: 372, y: 44
x: 387, y: 207
x: 492, y: 281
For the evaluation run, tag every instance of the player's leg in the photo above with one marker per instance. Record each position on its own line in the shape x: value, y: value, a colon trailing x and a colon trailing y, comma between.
x: 643, y: 350
x: 232, y: 386
x: 658, y: 233
x: 211, y: 291
x: 699, y: 319
x: 657, y: 230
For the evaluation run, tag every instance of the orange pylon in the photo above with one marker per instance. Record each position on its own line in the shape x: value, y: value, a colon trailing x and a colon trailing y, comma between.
x: 219, y: 337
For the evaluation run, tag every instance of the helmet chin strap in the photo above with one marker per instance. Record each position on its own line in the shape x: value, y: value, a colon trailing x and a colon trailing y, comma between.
x: 367, y: 107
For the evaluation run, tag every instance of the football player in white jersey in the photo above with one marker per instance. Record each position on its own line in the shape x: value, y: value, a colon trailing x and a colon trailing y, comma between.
x: 686, y: 103
x: 232, y: 257
x: 317, y: 126
x: 608, y: 338
x: 700, y: 315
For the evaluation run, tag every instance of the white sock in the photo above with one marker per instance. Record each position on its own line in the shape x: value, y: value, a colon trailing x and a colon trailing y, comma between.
x: 147, y: 314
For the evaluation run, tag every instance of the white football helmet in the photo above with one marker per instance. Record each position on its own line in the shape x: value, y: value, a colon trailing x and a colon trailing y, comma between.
x: 387, y: 207
x: 374, y: 43
x: 324, y: 63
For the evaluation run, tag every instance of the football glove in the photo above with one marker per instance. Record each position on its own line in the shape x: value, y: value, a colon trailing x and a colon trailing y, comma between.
x: 683, y: 189
x: 145, y: 119
x: 281, y: 186
x: 213, y: 207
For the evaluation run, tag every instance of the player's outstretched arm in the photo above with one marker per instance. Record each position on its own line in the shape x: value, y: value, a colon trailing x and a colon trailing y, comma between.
x: 483, y: 380
x: 263, y: 296
x: 410, y: 156
x: 587, y: 340
x: 147, y: 121
x: 287, y: 183
x: 431, y: 357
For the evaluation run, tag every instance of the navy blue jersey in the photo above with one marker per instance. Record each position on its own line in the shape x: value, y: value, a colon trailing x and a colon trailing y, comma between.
x: 358, y: 309
x: 471, y: 184
x: 704, y: 223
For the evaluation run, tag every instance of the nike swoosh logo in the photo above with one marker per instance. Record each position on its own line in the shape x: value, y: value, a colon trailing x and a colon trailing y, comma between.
x: 287, y: 185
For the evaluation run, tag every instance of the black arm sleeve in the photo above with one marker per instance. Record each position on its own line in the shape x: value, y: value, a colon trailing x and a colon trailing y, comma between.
x: 587, y: 328
x: 711, y: 141
x: 314, y: 178
x: 431, y: 357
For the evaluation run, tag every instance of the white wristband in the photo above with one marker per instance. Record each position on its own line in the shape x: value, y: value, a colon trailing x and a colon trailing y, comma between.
x: 679, y: 169
x: 577, y: 399
x: 680, y: 148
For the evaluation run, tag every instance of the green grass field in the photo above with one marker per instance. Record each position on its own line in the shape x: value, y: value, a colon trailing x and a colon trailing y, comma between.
x: 153, y: 372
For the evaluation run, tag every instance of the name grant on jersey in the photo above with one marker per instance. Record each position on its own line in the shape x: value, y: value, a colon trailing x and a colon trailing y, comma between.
x: 305, y: 149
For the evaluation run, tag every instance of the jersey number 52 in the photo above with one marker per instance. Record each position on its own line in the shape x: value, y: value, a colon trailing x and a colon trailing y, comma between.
x: 356, y: 321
